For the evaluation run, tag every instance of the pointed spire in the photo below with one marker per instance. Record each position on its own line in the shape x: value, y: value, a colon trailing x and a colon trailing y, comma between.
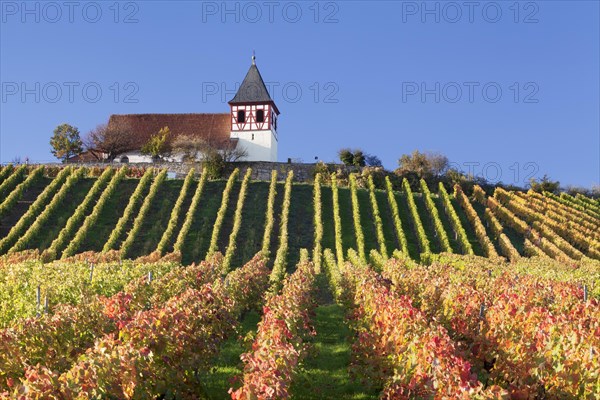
x: 253, y: 58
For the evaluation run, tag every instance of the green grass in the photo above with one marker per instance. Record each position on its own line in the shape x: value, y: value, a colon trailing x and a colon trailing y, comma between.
x: 324, y: 373
x: 301, y: 223
x: 198, y: 239
x: 228, y: 365
x: 249, y: 239
x: 327, y: 216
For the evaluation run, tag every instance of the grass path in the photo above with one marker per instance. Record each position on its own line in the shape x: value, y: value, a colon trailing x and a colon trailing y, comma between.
x: 227, y: 364
x: 324, y: 374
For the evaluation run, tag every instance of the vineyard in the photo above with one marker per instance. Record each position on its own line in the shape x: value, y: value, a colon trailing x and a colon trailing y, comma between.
x: 128, y: 284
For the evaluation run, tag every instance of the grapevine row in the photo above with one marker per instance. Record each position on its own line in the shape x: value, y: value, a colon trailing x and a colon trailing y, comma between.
x: 279, y: 344
x: 34, y: 209
x: 270, y: 214
x: 437, y: 222
x: 513, y: 331
x: 455, y: 221
x: 398, y: 348
x: 213, y: 248
x: 237, y: 222
x: 279, y: 266
x: 139, y: 220
x: 189, y: 217
x: 5, y: 172
x: 134, y: 200
x: 396, y: 215
x: 91, y: 219
x: 377, y: 217
x: 318, y: 221
x: 360, y: 237
x: 16, y: 175
x: 167, y: 345
x: 167, y: 236
x: 544, y: 226
x: 337, y: 220
x: 17, y: 193
x: 34, y: 229
x: 480, y: 232
x: 423, y: 240
x: 77, y: 217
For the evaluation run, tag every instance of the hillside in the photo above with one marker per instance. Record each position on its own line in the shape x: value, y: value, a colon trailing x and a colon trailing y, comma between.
x: 122, y: 284
x: 73, y: 213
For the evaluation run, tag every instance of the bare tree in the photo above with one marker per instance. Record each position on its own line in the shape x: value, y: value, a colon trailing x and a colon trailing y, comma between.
x: 108, y: 141
x: 231, y: 152
x: 192, y: 148
x: 439, y: 163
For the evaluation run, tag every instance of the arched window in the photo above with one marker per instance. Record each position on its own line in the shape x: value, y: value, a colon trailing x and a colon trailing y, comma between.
x: 124, y: 159
x: 241, y: 116
x: 260, y: 116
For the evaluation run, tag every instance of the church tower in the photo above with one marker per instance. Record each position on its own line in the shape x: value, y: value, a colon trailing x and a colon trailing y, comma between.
x: 254, y: 118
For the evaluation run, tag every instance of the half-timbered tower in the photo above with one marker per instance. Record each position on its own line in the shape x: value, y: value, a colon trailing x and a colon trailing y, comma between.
x: 254, y: 118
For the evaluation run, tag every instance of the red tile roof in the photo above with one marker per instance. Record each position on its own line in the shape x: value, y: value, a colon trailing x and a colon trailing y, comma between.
x: 213, y: 127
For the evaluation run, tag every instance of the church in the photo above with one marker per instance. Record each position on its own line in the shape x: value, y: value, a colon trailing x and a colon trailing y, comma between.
x: 251, y: 125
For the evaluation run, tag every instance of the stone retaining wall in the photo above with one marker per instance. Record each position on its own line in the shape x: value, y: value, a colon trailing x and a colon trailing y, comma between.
x: 261, y: 170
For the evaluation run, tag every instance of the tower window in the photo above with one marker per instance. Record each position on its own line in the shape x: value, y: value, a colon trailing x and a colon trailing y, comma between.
x: 241, y: 116
x: 260, y: 116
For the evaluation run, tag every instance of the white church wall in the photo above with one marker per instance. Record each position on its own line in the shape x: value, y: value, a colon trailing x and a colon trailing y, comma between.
x: 260, y: 145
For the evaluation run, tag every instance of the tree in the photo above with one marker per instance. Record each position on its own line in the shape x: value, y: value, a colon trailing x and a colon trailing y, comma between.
x: 231, y: 152
x: 346, y: 157
x: 359, y: 158
x: 416, y: 163
x: 192, y: 148
x: 424, y: 165
x: 158, y: 145
x: 108, y: 140
x: 373, y: 161
x: 66, y: 142
x: 544, y: 185
x: 439, y: 163
x: 352, y: 158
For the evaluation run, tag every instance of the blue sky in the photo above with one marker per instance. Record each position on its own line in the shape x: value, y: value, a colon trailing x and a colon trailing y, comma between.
x: 505, y: 89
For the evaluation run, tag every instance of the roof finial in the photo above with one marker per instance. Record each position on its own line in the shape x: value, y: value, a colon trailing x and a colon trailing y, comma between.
x: 253, y: 58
